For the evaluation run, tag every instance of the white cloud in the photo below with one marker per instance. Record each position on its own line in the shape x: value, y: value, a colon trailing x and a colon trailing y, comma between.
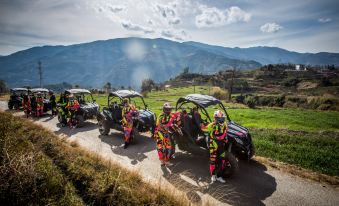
x: 116, y: 8
x: 213, y: 17
x: 324, y: 20
x: 134, y: 27
x: 169, y: 13
x: 174, y: 34
x: 270, y: 28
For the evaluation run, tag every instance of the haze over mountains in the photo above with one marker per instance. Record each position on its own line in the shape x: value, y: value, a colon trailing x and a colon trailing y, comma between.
x: 127, y: 61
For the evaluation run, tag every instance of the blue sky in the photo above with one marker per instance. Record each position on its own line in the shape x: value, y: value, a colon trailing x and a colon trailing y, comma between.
x: 303, y: 26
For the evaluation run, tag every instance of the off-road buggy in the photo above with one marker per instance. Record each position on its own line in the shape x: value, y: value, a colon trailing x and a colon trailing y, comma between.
x: 15, y: 100
x: 195, y: 106
x: 44, y: 93
x: 88, y: 107
x: 111, y: 116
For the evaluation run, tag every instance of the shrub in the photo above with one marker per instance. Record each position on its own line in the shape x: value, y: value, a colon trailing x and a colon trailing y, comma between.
x: 218, y: 93
x: 251, y: 101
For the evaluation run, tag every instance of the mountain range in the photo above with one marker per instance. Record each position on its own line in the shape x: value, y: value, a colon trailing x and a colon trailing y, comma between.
x: 127, y: 61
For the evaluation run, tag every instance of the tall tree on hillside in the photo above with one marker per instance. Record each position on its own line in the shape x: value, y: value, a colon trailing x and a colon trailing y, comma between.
x: 3, y: 86
x: 230, y: 85
x: 108, y: 87
x: 186, y: 70
x: 147, y: 85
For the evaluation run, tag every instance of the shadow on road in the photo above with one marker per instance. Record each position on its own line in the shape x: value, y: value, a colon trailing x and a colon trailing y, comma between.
x: 135, y: 151
x: 249, y: 186
x: 72, y: 131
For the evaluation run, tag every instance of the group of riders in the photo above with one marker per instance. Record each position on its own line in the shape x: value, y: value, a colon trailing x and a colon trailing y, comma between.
x: 163, y: 133
x: 67, y: 105
x: 33, y: 104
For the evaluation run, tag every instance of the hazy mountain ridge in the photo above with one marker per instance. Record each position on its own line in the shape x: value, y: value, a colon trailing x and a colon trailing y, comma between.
x: 271, y: 55
x: 126, y: 61
x: 95, y: 63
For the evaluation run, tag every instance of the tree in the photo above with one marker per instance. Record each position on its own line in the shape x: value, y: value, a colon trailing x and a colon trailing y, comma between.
x: 76, y: 86
x: 186, y: 70
x: 230, y: 85
x: 147, y: 85
x: 3, y: 87
x: 108, y: 87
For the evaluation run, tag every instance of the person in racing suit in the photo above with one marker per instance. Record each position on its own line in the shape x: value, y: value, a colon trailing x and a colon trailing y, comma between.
x: 26, y: 104
x: 165, y: 145
x: 72, y: 107
x: 52, y: 100
x: 127, y: 121
x: 62, y: 102
x: 217, y: 132
x: 39, y: 105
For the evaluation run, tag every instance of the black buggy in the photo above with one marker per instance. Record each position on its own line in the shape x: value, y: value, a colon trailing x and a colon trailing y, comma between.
x: 239, y: 138
x: 15, y: 100
x: 111, y: 116
x: 44, y: 93
x: 88, y: 107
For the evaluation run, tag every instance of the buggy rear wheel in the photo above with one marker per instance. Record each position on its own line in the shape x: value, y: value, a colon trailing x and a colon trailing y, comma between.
x: 103, y: 127
x: 80, y: 119
x: 231, y: 166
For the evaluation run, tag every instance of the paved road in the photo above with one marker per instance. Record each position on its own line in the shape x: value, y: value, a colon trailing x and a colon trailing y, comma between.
x: 255, y: 184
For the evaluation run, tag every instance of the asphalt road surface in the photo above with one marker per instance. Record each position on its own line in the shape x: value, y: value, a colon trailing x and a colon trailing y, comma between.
x: 254, y: 184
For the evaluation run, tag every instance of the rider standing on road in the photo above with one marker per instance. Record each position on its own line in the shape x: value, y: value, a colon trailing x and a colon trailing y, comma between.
x: 26, y: 104
x: 217, y: 131
x: 72, y: 106
x: 164, y: 143
x: 63, y: 100
x: 40, y: 105
x: 52, y: 100
x: 127, y: 121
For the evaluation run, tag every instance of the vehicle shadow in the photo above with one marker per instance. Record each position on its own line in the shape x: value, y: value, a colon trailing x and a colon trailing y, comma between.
x: 135, y: 151
x: 72, y: 131
x: 250, y: 186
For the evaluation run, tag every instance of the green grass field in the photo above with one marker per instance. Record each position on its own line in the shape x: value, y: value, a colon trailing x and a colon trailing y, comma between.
x: 306, y: 138
x: 271, y: 118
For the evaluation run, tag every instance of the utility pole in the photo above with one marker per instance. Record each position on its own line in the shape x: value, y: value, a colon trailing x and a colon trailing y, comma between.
x: 40, y: 73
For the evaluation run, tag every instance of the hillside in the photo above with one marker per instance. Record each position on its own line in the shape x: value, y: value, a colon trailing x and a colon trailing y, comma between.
x: 37, y: 168
x: 120, y: 61
x: 271, y: 55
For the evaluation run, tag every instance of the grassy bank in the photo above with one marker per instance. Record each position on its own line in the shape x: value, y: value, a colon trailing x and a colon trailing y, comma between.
x: 37, y: 168
x: 306, y: 138
x: 311, y: 150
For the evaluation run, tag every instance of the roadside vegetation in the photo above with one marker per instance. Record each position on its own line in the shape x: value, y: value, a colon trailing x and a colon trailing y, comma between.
x: 302, y: 137
x: 37, y: 168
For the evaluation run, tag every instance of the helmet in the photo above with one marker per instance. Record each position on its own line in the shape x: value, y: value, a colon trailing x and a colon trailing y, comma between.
x: 219, y: 117
x: 50, y: 92
x: 125, y: 101
x: 167, y: 108
x: 39, y: 94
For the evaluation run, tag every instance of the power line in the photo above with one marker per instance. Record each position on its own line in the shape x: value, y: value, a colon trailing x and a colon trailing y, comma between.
x: 40, y: 73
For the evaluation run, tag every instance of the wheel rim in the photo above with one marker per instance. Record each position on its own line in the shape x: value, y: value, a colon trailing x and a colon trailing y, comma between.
x: 101, y: 127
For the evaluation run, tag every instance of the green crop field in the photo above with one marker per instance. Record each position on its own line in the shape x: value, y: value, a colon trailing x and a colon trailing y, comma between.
x: 307, y: 138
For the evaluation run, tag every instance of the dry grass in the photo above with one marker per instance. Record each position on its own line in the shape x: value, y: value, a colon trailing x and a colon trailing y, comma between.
x: 61, y: 173
x: 298, y: 171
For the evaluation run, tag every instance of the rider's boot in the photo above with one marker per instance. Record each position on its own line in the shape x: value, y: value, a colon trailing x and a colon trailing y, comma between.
x: 220, y: 179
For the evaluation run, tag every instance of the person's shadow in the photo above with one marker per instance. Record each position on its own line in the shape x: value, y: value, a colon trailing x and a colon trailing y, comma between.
x: 249, y: 186
x: 88, y: 126
x: 135, y: 151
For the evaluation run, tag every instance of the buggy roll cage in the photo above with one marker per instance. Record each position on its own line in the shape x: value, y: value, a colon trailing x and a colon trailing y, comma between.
x: 20, y: 90
x: 122, y: 94
x: 80, y: 92
x: 202, y: 102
